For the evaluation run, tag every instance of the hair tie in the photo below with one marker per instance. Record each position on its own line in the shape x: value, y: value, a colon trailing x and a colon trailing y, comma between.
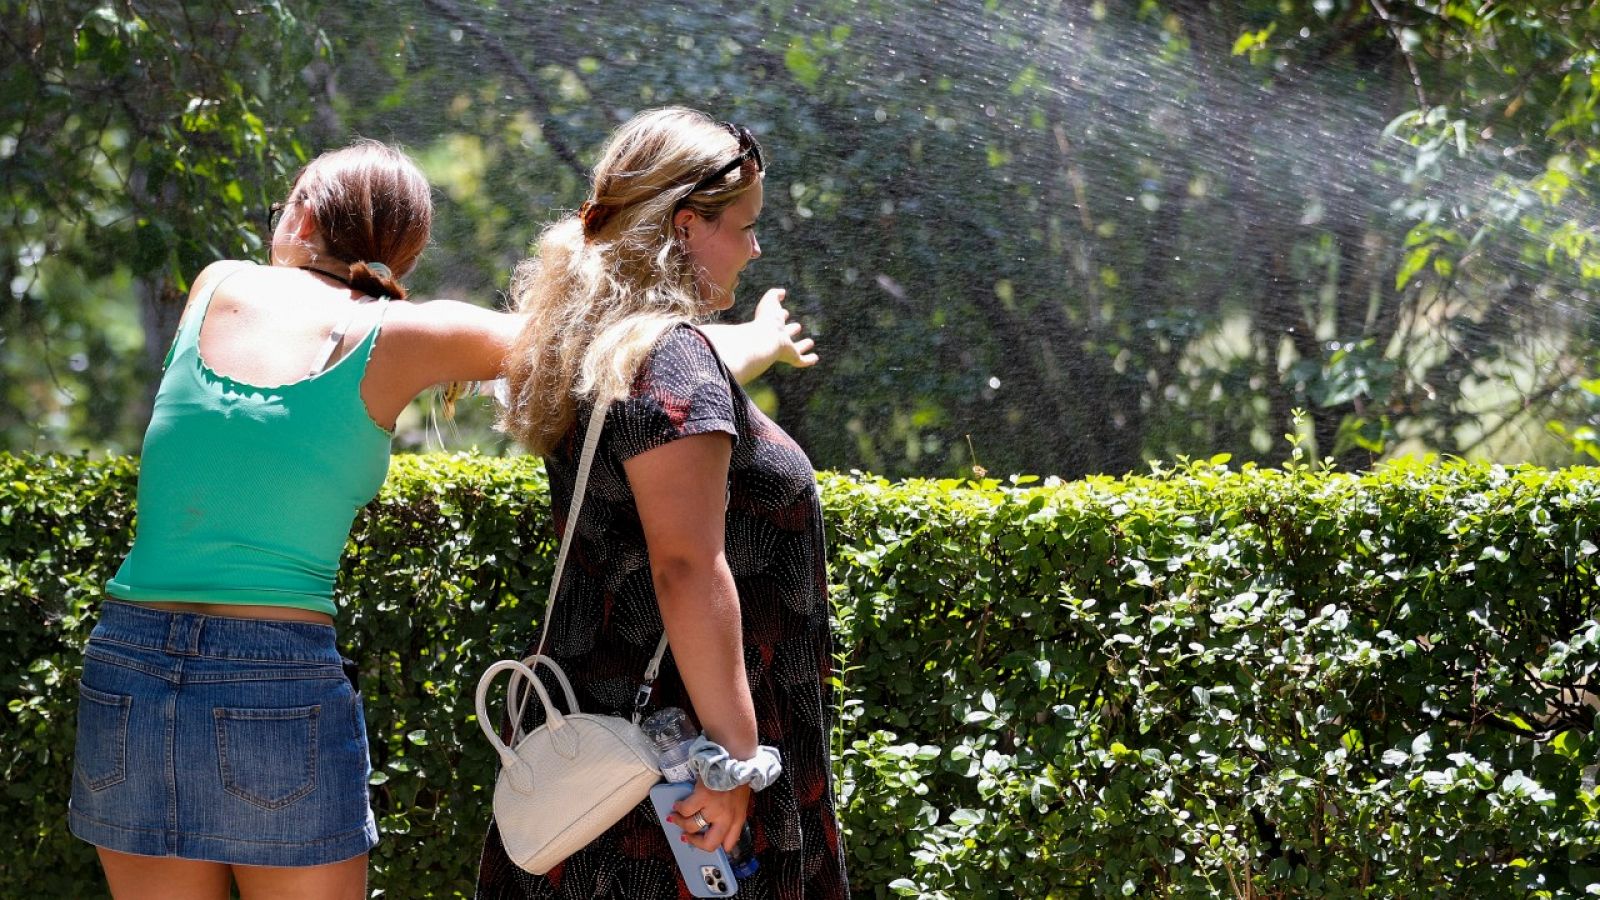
x: 719, y: 771
x: 594, y: 216
x: 379, y: 269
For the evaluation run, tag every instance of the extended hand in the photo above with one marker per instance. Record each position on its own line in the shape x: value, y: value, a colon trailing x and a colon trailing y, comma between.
x: 724, y: 811
x: 792, y: 348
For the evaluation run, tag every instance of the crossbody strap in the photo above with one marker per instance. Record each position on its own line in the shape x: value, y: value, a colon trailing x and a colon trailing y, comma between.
x: 591, y: 441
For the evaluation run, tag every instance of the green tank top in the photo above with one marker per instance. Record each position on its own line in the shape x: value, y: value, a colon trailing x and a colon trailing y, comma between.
x: 247, y: 493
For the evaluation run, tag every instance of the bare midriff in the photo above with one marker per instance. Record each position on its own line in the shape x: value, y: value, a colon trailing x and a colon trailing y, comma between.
x: 245, y: 611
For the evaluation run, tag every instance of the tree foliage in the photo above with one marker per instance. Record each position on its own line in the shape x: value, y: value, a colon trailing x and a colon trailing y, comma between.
x: 1038, y: 236
x: 140, y: 141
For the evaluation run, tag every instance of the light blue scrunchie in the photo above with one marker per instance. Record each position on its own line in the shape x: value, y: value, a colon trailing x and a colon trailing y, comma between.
x: 715, y: 769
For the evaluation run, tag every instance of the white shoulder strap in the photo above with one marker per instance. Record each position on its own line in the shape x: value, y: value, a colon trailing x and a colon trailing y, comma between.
x: 591, y: 441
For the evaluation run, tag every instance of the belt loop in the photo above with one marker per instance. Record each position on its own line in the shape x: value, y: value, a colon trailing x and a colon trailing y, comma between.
x: 183, y: 634
x: 195, y: 635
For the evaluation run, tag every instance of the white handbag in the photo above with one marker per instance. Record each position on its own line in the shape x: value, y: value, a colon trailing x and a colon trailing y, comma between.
x: 563, y: 784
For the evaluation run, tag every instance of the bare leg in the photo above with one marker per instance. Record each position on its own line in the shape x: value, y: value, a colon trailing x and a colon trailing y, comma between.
x: 163, y: 877
x: 345, y: 880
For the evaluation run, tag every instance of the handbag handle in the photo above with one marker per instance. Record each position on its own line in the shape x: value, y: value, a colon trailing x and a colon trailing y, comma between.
x: 564, y: 740
x: 517, y: 701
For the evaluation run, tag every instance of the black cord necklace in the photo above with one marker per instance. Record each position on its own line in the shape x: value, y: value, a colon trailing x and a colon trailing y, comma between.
x: 342, y: 280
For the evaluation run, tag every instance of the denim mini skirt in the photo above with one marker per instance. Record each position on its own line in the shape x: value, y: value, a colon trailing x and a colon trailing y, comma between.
x: 227, y: 740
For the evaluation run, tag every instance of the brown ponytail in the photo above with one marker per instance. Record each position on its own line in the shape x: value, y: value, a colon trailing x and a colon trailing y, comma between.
x: 373, y: 210
x: 376, y: 283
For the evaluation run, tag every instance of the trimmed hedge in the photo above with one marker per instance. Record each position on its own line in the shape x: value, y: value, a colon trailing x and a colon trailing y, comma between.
x: 1201, y: 682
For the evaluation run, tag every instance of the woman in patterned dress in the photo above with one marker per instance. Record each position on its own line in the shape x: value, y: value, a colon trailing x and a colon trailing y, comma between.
x: 701, y: 515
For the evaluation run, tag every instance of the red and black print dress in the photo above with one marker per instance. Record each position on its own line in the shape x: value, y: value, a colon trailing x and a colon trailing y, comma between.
x: 607, y: 622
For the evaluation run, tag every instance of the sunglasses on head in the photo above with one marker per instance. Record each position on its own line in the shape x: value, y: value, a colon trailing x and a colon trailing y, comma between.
x: 748, y: 149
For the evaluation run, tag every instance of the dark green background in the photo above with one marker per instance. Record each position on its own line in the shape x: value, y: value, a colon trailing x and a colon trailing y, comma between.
x: 1052, y: 237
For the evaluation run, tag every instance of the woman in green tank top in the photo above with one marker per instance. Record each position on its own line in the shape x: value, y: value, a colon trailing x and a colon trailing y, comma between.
x: 219, y: 743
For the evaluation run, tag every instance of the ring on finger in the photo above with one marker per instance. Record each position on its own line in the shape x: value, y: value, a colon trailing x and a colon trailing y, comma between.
x: 700, y: 823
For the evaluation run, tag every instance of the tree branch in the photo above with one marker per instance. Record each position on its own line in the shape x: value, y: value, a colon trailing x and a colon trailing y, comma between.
x: 499, y: 51
x: 1411, y: 63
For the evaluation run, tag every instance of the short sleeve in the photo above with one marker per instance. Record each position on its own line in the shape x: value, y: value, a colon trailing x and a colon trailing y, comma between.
x: 682, y: 389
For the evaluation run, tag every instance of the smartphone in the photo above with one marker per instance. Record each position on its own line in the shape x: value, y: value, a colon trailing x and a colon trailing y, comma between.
x: 706, y: 874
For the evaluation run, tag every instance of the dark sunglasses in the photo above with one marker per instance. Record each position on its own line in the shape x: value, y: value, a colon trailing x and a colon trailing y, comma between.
x: 274, y: 213
x: 748, y: 149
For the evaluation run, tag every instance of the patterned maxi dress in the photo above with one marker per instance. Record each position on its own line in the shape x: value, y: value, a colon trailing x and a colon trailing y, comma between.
x: 607, y: 622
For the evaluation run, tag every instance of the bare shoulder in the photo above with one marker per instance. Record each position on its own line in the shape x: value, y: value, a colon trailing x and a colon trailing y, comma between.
x: 208, y: 277
x: 215, y: 272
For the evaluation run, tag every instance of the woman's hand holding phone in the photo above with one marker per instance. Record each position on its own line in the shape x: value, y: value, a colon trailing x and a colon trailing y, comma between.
x: 726, y: 812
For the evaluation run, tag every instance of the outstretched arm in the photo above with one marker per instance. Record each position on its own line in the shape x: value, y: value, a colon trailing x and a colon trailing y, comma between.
x: 750, y: 348
x: 441, y: 341
x: 432, y: 343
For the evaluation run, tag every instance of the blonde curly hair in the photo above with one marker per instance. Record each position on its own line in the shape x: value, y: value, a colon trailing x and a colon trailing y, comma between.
x: 605, y: 283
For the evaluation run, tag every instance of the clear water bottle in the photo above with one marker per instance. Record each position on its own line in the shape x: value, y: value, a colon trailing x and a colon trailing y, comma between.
x: 670, y: 730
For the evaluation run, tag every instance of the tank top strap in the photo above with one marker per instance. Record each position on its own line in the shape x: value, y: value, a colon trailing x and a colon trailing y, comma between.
x: 352, y: 367
x: 189, y: 329
x: 371, y: 339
